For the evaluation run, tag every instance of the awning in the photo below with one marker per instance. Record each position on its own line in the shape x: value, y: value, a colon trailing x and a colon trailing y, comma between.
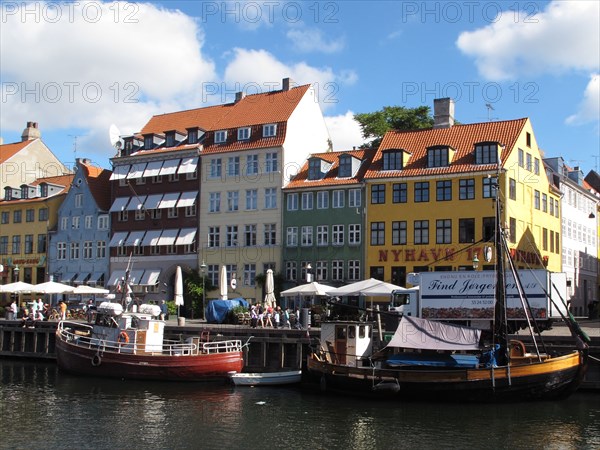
x: 151, y: 238
x: 135, y: 276
x: 136, y: 171
x: 187, y: 198
x: 152, y: 201
x: 153, y: 169
x: 119, y: 204
x: 115, y: 277
x: 186, y: 236
x: 95, y: 277
x: 168, y: 237
x: 169, y: 200
x: 118, y: 239
x: 81, y: 277
x: 134, y: 238
x: 67, y: 277
x: 169, y: 167
x: 136, y: 203
x: 188, y: 165
x: 120, y: 172
x: 150, y: 277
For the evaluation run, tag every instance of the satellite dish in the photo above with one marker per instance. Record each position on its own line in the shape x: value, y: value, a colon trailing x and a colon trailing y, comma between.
x: 115, y: 137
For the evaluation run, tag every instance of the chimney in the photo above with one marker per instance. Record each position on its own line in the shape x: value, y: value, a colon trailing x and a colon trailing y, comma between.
x: 239, y: 96
x: 443, y: 112
x: 286, y: 83
x: 31, y: 132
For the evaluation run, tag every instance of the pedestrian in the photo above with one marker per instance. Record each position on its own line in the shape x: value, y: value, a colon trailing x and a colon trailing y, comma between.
x: 164, y: 310
x: 286, y: 318
x: 277, y: 317
x: 253, y: 316
x: 40, y: 305
x: 12, y: 311
x: 63, y: 310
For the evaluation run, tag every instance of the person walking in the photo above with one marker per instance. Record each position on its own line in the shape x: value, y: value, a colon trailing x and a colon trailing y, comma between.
x: 63, y: 310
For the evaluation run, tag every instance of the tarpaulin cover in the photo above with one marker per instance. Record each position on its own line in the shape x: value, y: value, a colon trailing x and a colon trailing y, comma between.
x: 437, y: 360
x: 217, y: 310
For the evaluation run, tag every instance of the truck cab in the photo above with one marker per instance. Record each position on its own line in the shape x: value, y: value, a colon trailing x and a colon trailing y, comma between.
x: 405, y: 302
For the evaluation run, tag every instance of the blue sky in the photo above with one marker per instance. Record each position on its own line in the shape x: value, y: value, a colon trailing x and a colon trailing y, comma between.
x: 77, y: 68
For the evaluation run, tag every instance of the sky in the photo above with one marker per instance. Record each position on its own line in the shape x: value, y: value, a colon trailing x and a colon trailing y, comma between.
x: 76, y: 68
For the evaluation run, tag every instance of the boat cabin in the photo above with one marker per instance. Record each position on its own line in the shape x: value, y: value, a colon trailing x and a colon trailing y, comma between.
x: 347, y: 343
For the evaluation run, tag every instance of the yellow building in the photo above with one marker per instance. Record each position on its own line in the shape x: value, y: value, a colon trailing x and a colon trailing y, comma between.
x: 27, y: 213
x: 430, y: 198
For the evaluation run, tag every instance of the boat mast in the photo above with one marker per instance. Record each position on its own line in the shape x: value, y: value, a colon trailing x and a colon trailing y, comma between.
x: 500, y: 321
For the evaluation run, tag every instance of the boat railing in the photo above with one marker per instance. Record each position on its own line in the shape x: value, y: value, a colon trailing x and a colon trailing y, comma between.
x: 222, y: 346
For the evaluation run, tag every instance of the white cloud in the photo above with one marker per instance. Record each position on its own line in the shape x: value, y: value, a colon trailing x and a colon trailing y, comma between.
x: 345, y: 132
x: 563, y: 37
x: 88, y: 64
x: 259, y: 67
x: 589, y: 108
x: 312, y: 40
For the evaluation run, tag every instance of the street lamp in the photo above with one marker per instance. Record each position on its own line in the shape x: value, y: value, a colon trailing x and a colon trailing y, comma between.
x: 309, y: 274
x: 16, y: 273
x: 203, y: 270
x: 475, y: 262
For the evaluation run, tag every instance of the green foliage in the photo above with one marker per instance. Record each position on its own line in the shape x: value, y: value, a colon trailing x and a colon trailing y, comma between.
x: 375, y: 124
x: 193, y: 282
x: 172, y: 308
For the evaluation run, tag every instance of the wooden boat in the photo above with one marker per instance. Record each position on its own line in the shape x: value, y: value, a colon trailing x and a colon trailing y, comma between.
x: 132, y: 346
x: 266, y: 378
x: 429, y: 360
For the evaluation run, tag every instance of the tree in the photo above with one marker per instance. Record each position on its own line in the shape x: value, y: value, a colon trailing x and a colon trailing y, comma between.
x: 193, y: 282
x: 374, y: 125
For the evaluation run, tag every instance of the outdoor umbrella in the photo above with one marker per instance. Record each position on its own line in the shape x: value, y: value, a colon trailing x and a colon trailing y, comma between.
x: 16, y: 288
x: 178, y: 289
x: 84, y: 289
x: 52, y: 287
x: 368, y: 287
x: 313, y: 288
x: 223, y: 283
x: 270, y: 299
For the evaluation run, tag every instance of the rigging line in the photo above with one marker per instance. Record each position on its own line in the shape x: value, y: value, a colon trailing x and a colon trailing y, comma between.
x: 450, y: 255
x: 138, y: 198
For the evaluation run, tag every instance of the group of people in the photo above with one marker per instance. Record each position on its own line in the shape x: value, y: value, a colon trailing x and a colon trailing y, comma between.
x: 33, y: 312
x: 261, y: 316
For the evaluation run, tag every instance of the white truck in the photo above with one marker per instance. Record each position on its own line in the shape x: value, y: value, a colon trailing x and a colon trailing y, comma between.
x: 468, y: 297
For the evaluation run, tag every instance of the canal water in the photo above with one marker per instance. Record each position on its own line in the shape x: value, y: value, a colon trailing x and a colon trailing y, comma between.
x: 41, y: 408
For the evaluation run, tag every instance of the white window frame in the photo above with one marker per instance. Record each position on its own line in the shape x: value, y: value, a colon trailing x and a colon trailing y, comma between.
x: 291, y: 236
x: 322, y: 235
x: 270, y: 130
x: 306, y: 236
x: 337, y: 234
x: 354, y: 198
x: 337, y: 198
x: 270, y: 198
x: 292, y: 201
x: 307, y: 201
x: 323, y: 200
x: 243, y: 134
x: 220, y: 136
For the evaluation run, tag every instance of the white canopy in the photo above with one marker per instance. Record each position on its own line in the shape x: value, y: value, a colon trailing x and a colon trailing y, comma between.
x: 17, y: 287
x: 83, y: 289
x: 370, y: 287
x: 52, y: 287
x: 313, y: 288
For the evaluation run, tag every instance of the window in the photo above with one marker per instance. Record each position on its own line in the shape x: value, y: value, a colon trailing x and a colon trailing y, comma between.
x: 190, y: 211
x: 314, y: 169
x: 322, y: 235
x: 307, y: 200
x: 232, y: 235
x: 337, y: 270
x: 17, y: 216
x: 443, y: 231
x: 214, y: 237
x: 100, y: 249
x: 322, y: 199
x: 103, y: 222
x: 545, y: 239
x: 220, y: 136
x: 5, y: 217
x: 291, y: 236
x: 354, y: 237
x: 556, y: 208
x: 512, y: 230
x: 192, y: 136
x: 489, y: 229
x: 354, y: 198
x: 269, y: 130
x: 377, y: 233
x: 214, y: 202
x: 466, y: 189
x: 74, y: 251
x: 444, y: 191
x: 512, y: 189
x: 421, y: 232
x: 307, y: 236
x: 521, y: 158
x: 88, y: 220
x: 337, y: 200
x: 215, y: 167
x: 78, y: 200
x: 399, y: 233
x: 466, y: 231
x: 321, y: 270
x: 173, y: 177
x: 345, y: 167
x: 528, y: 139
x: 378, y: 193
x: 270, y: 198
x: 233, y: 198
x: 399, y: 192
x: 545, y: 202
x: 172, y: 213
x: 536, y: 199
x: 251, y: 164
x: 486, y: 153
x: 233, y: 165
x: 249, y: 274
x: 536, y: 166
x: 243, y: 134
x: 529, y: 162
x: 41, y: 243
x: 139, y: 214
x: 148, y: 142
x: 3, y: 245
x: 75, y: 223
x: 42, y: 214
x: 61, y: 250
x: 29, y: 215
x: 88, y: 252
x: 28, y: 247
x: 270, y: 234
x: 337, y: 234
x: 291, y: 272
x: 421, y: 192
x: 251, y: 199
x: 438, y: 157
x: 354, y: 270
x: 292, y: 202
x: 489, y: 190
x: 271, y: 163
x: 122, y: 216
x: 392, y: 160
x: 250, y: 235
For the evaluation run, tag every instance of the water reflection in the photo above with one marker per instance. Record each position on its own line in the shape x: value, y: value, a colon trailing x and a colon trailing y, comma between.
x: 78, y: 412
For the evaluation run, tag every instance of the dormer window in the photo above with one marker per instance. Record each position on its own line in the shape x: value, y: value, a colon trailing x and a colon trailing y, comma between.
x: 243, y: 134
x: 438, y: 156
x: 170, y: 139
x: 270, y: 130
x: 24, y: 192
x: 345, y: 168
x: 317, y: 168
x: 192, y: 135
x: 486, y: 153
x: 220, y: 136
x: 44, y: 190
x: 392, y: 160
x: 148, y: 142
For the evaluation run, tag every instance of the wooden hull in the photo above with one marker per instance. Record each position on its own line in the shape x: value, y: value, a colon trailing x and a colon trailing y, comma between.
x: 267, y: 378
x: 553, y: 378
x: 90, y: 361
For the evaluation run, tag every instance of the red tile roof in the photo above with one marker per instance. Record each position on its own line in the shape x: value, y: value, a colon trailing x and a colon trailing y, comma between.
x: 461, y: 138
x: 60, y: 180
x: 330, y: 178
x: 7, y: 151
x: 98, y: 180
